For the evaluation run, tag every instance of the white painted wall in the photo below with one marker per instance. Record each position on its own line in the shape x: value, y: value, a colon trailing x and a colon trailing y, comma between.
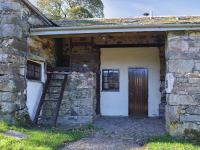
x: 34, y: 92
x: 116, y: 103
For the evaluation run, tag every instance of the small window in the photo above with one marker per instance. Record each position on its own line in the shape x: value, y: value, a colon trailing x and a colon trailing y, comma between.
x: 110, y: 80
x: 33, y: 70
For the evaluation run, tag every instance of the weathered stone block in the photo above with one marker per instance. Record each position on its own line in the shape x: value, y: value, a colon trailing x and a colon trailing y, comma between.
x: 178, y: 128
x: 169, y: 82
x: 7, y: 117
x: 10, y: 58
x: 194, y: 50
x: 174, y: 99
x: 190, y: 118
x: 8, y: 69
x: 10, y: 30
x: 178, y: 44
x: 183, y: 55
x: 18, y: 45
x: 194, y: 81
x: 194, y: 42
x: 74, y: 120
x: 193, y: 88
x: 177, y: 35
x: 173, y: 113
x: 79, y: 98
x: 180, y: 66
x: 12, y: 5
x: 6, y: 83
x: 6, y: 107
x: 10, y: 18
x: 35, y: 21
x: 7, y: 96
x: 197, y: 66
x: 195, y: 110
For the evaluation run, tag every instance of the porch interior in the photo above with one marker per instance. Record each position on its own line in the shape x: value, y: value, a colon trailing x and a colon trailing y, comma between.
x: 82, y: 53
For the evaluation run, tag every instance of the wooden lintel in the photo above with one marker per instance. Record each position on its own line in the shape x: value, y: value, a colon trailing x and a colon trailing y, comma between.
x: 131, y: 45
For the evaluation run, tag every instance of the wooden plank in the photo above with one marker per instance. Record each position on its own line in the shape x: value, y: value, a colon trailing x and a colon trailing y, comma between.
x: 138, y: 91
x: 98, y: 83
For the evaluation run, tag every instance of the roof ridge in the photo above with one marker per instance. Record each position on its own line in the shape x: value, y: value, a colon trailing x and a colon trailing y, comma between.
x: 140, y: 17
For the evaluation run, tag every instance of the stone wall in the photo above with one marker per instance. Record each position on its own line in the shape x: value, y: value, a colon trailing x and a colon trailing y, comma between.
x: 183, y: 82
x: 79, y: 101
x: 15, y: 22
x: 81, y: 51
x: 42, y: 49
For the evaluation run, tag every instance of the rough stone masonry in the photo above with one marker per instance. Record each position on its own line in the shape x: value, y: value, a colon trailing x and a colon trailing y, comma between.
x: 79, y: 100
x: 183, y: 82
x: 182, y: 73
x: 15, y: 22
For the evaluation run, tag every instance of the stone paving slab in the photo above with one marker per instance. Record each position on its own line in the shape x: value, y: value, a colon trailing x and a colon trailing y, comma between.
x: 15, y: 134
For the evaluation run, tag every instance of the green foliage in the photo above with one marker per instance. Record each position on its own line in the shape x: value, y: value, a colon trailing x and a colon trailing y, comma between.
x: 38, y: 139
x: 73, y: 9
x: 167, y: 142
x: 79, y: 12
x: 90, y: 126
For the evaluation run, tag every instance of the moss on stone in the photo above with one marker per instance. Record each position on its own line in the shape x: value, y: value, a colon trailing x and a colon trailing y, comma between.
x: 192, y: 134
x: 23, y: 119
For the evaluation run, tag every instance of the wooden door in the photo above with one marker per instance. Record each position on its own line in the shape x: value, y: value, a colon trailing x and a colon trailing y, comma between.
x: 138, y: 92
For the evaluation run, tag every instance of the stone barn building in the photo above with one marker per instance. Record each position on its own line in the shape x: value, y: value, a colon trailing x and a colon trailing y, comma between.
x: 71, y: 71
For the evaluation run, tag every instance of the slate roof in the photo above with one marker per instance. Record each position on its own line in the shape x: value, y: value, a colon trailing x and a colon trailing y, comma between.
x: 129, y: 21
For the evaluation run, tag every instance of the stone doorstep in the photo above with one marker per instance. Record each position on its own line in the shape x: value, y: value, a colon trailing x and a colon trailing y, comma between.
x: 15, y: 134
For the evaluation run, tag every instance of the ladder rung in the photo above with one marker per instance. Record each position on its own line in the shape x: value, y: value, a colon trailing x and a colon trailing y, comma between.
x: 45, y: 117
x: 56, y: 79
x: 50, y: 100
x: 54, y: 86
x: 52, y: 93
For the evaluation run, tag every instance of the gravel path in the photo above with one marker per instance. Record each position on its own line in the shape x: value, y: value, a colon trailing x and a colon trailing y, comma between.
x: 119, y: 133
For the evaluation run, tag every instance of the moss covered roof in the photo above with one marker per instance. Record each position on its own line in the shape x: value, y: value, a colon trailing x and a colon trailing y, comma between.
x: 129, y: 21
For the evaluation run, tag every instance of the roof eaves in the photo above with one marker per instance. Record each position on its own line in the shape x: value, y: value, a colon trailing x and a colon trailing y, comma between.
x: 113, y: 28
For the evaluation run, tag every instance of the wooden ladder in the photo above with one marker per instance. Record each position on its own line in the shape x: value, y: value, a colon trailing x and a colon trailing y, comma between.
x: 47, y: 100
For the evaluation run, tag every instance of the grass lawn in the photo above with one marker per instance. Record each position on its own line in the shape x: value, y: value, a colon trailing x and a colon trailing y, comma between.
x: 38, y: 139
x: 168, y: 143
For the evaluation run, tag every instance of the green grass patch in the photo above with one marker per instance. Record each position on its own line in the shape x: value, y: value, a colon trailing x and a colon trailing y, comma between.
x: 38, y: 139
x: 167, y: 142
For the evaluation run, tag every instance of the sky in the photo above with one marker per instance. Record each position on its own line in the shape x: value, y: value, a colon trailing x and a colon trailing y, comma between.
x: 135, y: 8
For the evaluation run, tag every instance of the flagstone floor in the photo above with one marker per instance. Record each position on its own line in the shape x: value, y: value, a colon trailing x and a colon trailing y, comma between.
x: 119, y: 133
